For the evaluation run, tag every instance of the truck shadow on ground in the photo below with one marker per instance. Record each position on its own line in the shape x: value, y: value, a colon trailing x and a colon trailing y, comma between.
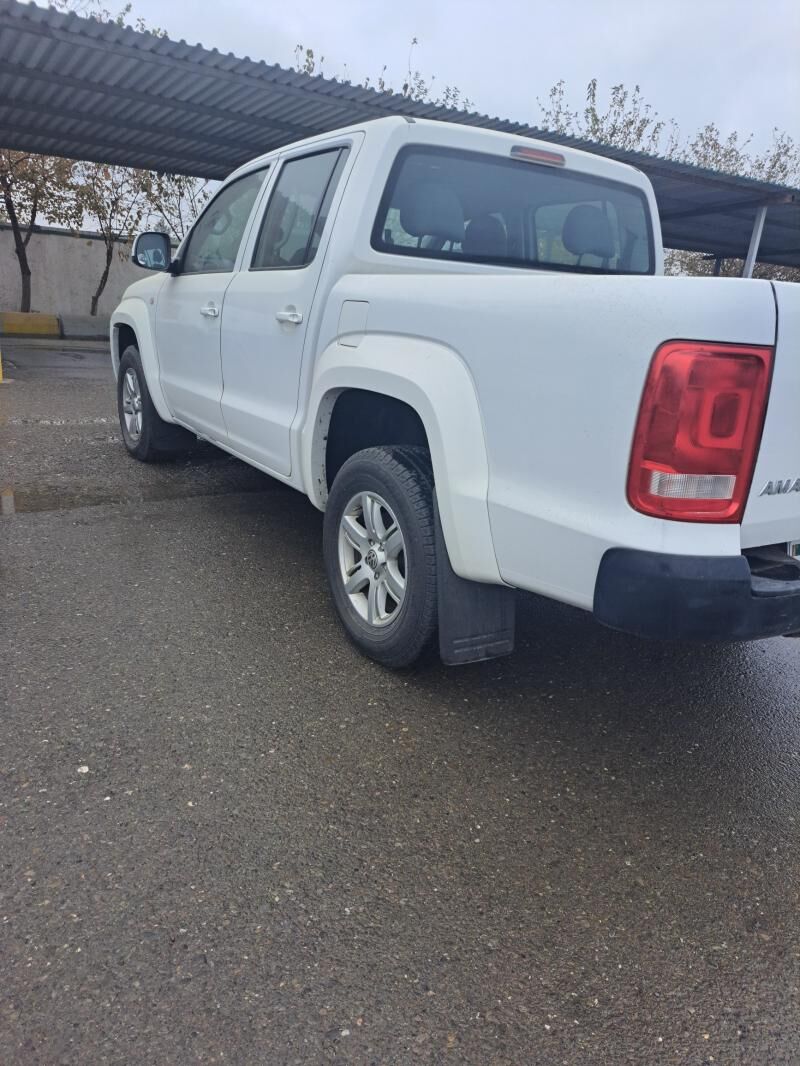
x: 713, y: 726
x: 561, y: 648
x: 715, y: 708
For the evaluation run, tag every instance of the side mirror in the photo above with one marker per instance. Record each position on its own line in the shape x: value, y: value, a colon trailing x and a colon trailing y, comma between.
x: 152, y: 251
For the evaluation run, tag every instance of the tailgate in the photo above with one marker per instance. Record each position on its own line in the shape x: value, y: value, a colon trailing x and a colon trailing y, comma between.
x: 772, y: 515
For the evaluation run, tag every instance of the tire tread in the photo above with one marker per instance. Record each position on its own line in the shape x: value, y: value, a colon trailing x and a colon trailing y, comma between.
x: 408, y: 467
x: 159, y: 439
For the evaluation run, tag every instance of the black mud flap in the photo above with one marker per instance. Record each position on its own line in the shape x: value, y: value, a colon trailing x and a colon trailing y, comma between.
x: 476, y: 621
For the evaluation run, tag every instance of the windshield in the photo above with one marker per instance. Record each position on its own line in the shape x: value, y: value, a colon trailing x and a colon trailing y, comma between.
x: 478, y: 208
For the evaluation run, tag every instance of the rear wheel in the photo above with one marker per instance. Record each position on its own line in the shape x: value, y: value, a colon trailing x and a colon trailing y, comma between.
x: 380, y: 554
x: 145, y: 434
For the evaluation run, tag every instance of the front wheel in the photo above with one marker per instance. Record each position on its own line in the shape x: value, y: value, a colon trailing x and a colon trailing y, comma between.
x: 380, y: 553
x: 146, y: 435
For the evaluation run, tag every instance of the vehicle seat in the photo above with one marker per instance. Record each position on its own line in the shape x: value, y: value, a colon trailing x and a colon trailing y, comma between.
x: 431, y: 209
x: 587, y: 231
x: 485, y: 235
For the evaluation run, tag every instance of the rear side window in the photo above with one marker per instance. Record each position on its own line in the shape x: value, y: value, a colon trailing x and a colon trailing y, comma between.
x: 214, y: 241
x: 478, y: 208
x: 297, y: 211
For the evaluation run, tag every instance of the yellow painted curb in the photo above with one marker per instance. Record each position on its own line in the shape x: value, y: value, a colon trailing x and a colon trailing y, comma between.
x: 30, y: 324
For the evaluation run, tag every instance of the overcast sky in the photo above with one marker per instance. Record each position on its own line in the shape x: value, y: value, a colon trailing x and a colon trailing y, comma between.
x: 733, y: 62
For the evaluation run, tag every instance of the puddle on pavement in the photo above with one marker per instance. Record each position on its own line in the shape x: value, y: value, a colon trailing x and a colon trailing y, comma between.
x: 53, y: 498
x: 19, y: 501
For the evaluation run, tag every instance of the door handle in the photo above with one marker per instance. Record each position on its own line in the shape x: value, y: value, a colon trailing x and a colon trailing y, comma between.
x: 210, y: 311
x: 289, y: 315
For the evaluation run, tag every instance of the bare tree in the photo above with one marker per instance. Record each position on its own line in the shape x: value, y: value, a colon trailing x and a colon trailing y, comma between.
x: 626, y: 121
x: 415, y: 85
x: 30, y: 186
x: 174, y: 201
x: 115, y: 199
x: 91, y: 9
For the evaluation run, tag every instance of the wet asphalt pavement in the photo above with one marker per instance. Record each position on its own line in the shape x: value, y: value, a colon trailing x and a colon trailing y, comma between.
x: 227, y: 837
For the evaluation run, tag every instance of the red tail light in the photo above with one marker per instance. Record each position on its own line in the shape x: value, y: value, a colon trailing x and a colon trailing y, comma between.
x: 698, y: 431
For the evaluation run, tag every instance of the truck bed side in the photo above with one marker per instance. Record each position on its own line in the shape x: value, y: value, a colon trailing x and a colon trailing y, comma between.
x: 559, y: 363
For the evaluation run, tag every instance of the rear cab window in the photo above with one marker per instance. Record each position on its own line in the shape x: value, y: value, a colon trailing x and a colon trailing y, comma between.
x: 478, y: 208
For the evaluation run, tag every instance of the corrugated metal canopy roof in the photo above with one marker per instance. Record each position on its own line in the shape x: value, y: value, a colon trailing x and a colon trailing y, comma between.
x: 83, y: 89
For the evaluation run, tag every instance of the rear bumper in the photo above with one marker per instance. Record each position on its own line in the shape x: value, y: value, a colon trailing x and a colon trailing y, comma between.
x: 695, y: 597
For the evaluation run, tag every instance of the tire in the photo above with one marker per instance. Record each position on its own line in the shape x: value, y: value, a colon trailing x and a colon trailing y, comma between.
x: 389, y: 610
x: 145, y: 434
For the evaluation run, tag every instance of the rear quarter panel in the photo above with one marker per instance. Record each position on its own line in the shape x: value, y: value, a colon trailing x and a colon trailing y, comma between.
x: 560, y: 446
x: 558, y: 363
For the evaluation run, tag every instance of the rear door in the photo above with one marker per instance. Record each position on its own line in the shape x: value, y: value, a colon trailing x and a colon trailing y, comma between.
x: 190, y: 308
x: 268, y: 304
x: 773, y: 509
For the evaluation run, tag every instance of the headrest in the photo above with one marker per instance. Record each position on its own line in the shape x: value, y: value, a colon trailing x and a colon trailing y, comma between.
x: 430, y: 209
x: 485, y: 235
x: 587, y: 231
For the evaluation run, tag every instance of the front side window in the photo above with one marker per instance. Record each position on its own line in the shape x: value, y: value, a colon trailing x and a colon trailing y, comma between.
x: 297, y: 211
x: 214, y: 241
x: 478, y: 208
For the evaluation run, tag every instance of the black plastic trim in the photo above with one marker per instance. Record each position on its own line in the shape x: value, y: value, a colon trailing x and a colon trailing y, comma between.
x: 476, y: 620
x: 694, y: 597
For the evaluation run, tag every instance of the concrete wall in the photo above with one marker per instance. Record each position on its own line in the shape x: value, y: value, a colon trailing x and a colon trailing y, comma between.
x: 65, y: 271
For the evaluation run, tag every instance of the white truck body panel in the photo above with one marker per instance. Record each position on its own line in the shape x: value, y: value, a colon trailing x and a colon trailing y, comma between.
x: 558, y: 442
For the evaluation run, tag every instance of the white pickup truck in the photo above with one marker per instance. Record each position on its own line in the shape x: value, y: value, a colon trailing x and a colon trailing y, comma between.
x: 459, y: 345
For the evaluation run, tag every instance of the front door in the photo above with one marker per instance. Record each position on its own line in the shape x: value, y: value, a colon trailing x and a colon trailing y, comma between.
x: 189, y: 309
x: 267, y: 307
